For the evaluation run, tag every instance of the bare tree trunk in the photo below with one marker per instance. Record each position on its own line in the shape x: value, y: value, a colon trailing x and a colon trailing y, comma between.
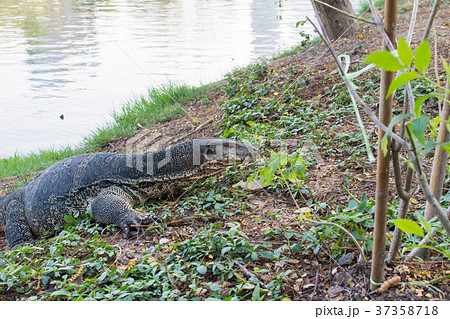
x: 335, y: 23
x: 382, y: 188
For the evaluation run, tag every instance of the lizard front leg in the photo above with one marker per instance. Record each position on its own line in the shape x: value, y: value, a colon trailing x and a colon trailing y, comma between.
x: 115, y: 206
x: 17, y: 230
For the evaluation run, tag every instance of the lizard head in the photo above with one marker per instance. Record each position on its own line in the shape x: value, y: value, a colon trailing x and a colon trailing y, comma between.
x: 213, y: 154
x: 197, y: 159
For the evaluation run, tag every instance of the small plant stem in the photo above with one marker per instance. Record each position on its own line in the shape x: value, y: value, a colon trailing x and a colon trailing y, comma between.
x: 404, y: 192
x: 433, y: 12
x: 405, y: 195
x: 412, y: 23
x: 344, y: 13
x: 249, y: 274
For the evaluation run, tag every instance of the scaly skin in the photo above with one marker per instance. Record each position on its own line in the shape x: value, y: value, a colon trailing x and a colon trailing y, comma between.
x: 109, y: 185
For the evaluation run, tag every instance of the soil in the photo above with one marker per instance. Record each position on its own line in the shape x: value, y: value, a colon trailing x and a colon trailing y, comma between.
x: 313, y: 276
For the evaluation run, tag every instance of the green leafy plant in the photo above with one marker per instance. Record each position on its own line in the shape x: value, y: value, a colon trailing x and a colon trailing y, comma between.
x: 411, y: 227
x: 414, y: 67
x: 281, y: 170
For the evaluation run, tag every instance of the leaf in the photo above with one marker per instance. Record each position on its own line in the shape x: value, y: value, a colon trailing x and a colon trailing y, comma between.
x: 225, y: 250
x: 404, y: 52
x: 296, y: 248
x: 429, y: 247
x: 69, y: 219
x: 256, y: 293
x: 62, y: 292
x: 391, y: 125
x: 419, y: 125
x: 447, y: 70
x: 254, y: 256
x: 422, y: 57
x: 401, y: 80
x: 409, y: 226
x: 102, y: 276
x: 384, y: 60
x: 202, y: 269
x: 420, y: 101
x: 423, y: 222
x: 215, y: 287
x: 267, y: 254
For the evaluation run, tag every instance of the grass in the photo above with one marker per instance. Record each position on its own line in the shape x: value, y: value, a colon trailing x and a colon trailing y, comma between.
x: 21, y: 165
x: 142, y: 112
x: 365, y: 7
x: 297, y: 48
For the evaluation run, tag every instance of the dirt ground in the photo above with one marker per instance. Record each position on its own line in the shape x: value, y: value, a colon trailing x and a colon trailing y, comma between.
x: 333, y: 281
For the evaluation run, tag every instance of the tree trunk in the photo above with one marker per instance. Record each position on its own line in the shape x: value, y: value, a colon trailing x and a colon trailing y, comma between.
x: 382, y: 188
x: 336, y: 24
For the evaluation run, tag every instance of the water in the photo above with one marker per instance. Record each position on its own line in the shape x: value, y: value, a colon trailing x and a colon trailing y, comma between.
x: 79, y: 60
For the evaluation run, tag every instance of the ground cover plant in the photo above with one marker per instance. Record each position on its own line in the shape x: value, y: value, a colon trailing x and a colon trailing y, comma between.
x: 265, y: 231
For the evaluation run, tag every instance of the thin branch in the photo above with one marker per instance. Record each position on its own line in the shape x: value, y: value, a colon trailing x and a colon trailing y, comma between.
x: 249, y: 274
x: 434, y: 10
x: 425, y: 241
x: 412, y: 23
x: 379, y: 24
x: 344, y: 13
x: 402, y: 211
x: 402, y: 192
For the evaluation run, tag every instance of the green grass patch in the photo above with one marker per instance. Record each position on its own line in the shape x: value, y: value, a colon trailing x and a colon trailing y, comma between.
x: 365, y: 7
x: 34, y: 162
x: 297, y: 48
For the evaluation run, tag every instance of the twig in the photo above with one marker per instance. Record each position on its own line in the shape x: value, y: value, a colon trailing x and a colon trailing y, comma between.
x: 352, y: 91
x: 343, y: 12
x: 412, y: 23
x: 249, y: 274
x: 434, y: 10
x: 403, y: 210
x: 379, y: 24
x: 315, y: 284
x: 403, y: 192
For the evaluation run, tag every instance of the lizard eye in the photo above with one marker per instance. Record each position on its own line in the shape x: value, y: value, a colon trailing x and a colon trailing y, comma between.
x: 209, y: 152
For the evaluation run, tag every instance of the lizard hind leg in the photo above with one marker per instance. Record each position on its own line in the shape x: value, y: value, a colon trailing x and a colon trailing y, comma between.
x: 113, y: 206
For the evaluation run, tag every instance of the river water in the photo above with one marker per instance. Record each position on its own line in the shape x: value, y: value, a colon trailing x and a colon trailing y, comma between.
x: 79, y: 60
